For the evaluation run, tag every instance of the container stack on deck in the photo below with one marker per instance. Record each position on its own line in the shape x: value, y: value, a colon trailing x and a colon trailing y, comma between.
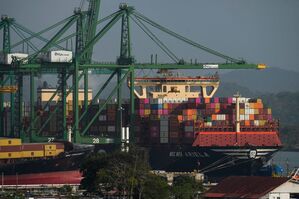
x: 212, y: 119
x: 12, y: 148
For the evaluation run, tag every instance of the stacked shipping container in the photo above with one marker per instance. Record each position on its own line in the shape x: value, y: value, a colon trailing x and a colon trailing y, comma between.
x: 173, y: 121
x: 214, y: 116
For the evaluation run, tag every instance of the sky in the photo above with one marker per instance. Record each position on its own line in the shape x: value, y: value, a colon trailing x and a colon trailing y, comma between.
x: 258, y: 31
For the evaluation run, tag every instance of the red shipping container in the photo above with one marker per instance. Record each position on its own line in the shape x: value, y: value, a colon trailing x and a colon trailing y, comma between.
x: 32, y: 147
x: 10, y: 148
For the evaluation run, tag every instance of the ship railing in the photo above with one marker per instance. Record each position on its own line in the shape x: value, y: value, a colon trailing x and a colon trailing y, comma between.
x: 295, y: 176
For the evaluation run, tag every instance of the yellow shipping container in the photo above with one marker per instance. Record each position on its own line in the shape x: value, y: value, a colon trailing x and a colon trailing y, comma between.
x: 49, y: 147
x: 32, y: 154
x: 165, y: 106
x: 10, y: 142
x: 256, y: 111
x: 262, y: 122
x: 147, y: 111
x: 194, y: 117
x: 7, y: 155
x: 269, y: 111
x: 242, y: 111
x: 217, y: 110
x: 50, y: 153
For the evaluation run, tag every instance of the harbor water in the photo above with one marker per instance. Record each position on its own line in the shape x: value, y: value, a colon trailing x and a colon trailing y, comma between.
x: 287, y: 160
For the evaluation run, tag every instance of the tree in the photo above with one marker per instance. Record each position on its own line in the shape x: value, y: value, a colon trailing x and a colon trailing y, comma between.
x: 186, y: 187
x: 122, y: 172
x: 155, y: 187
x: 65, y: 190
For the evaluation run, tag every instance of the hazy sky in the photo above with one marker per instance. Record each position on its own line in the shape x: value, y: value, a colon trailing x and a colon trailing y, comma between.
x: 259, y: 31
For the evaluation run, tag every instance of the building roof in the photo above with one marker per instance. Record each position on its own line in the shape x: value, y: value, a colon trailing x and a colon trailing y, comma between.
x: 244, y: 187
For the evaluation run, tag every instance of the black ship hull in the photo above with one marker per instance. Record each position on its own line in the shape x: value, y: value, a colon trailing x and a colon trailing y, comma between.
x: 211, y: 161
x: 64, y: 162
x: 217, y: 161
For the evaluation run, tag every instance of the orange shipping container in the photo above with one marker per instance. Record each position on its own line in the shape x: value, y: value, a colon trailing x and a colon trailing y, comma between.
x: 251, y: 117
x: 207, y: 100
x: 189, y: 112
x: 247, y: 123
x: 214, y: 117
x: 258, y: 105
x: 180, y: 118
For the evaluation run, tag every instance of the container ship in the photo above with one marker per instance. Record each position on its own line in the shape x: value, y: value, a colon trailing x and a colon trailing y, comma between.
x: 187, y: 129
x: 181, y: 126
x: 40, y: 163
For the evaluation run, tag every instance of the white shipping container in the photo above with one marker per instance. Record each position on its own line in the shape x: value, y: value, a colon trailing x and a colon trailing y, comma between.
x: 247, y: 111
x: 102, y: 118
x: 241, y: 100
x: 247, y: 106
x: 111, y: 128
x: 242, y: 117
x: 208, y: 124
x: 7, y: 58
x: 164, y: 128
x: 58, y: 56
x: 256, y: 122
x: 163, y: 134
x: 163, y: 122
x: 246, y: 117
x: 251, y: 111
x: 164, y: 140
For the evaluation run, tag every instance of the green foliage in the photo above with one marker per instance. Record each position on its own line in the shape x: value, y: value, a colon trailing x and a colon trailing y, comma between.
x: 186, y: 187
x: 65, y: 190
x: 285, y: 107
x: 89, y: 168
x: 155, y: 187
x: 119, y: 171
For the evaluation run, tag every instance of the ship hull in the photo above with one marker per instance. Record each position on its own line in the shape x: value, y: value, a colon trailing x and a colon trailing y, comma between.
x: 64, y: 162
x: 212, y: 161
x: 60, y: 170
x: 72, y: 177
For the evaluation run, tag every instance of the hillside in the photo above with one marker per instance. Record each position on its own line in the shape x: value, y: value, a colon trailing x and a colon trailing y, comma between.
x: 285, y: 106
x: 271, y: 80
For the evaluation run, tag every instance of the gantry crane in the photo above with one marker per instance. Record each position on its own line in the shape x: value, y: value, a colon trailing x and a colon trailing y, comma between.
x: 86, y: 36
